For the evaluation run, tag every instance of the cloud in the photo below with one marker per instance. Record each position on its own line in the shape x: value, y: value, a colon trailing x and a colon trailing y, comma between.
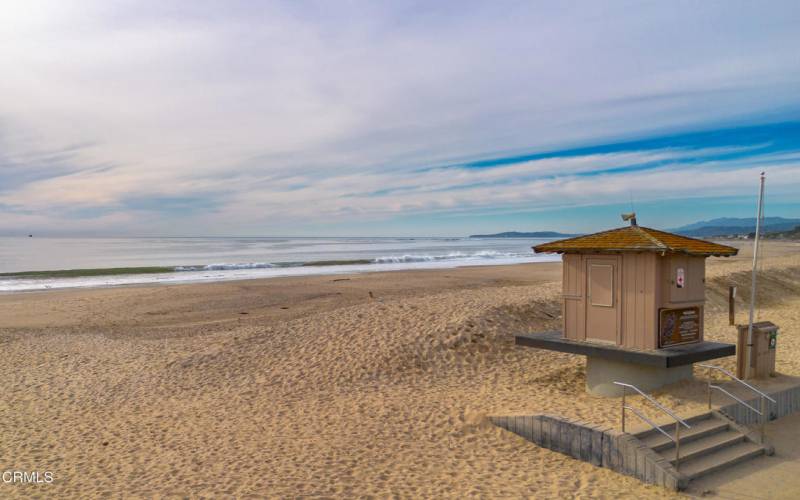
x: 227, y: 117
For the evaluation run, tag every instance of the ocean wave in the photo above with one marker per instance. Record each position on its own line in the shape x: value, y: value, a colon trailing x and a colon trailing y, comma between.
x: 388, y: 259
x: 482, y: 254
x: 226, y: 267
x: 257, y: 270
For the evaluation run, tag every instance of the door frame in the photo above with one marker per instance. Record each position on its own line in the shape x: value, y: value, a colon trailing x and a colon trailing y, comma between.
x: 615, y: 260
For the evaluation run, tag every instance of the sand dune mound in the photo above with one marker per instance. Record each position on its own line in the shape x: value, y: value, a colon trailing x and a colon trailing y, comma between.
x: 775, y: 285
x: 460, y: 330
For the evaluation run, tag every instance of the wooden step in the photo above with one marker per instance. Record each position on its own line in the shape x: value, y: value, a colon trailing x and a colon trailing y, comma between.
x: 704, y: 445
x: 659, y: 442
x: 719, y: 459
x: 670, y: 426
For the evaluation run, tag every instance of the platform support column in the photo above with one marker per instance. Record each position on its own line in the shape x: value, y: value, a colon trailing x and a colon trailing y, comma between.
x: 601, y: 373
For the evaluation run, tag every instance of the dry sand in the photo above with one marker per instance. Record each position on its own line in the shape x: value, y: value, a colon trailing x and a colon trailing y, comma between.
x: 317, y: 387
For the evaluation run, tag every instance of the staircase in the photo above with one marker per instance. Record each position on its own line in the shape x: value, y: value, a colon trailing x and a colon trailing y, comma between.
x: 710, y: 445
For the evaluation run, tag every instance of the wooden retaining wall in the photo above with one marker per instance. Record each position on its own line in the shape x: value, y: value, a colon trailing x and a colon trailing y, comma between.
x: 600, y: 446
x: 788, y: 401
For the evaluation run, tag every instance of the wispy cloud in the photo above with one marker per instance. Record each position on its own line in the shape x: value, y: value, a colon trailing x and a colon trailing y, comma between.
x: 143, y: 117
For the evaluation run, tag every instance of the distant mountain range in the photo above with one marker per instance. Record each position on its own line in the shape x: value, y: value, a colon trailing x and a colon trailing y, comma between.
x: 772, y: 227
x: 517, y: 234
x: 727, y: 226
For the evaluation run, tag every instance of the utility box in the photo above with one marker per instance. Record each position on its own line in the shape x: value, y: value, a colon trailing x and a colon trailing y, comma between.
x: 765, y: 345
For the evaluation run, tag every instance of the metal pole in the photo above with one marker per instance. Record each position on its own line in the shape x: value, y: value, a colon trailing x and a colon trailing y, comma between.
x: 750, y: 357
x: 624, y: 390
x: 677, y: 445
x: 731, y: 305
x: 763, y: 418
x: 709, y: 393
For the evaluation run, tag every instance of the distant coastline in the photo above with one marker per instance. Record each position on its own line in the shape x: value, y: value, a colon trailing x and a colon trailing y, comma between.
x: 740, y: 228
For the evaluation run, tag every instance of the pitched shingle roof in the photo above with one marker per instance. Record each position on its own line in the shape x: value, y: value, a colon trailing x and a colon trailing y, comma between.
x: 636, y: 239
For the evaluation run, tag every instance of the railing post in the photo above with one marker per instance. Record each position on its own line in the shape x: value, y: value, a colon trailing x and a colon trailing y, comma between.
x: 624, y: 390
x: 677, y: 445
x: 708, y: 387
x: 763, y: 418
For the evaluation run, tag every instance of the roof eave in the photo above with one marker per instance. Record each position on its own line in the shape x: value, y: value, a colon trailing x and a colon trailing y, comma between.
x: 662, y: 251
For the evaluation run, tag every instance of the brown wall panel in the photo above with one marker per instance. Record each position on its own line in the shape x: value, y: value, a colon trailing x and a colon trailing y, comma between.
x: 573, y: 296
x: 639, y: 316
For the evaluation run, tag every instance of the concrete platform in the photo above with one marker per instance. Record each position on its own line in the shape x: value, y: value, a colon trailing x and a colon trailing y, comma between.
x: 669, y: 357
x: 647, y: 370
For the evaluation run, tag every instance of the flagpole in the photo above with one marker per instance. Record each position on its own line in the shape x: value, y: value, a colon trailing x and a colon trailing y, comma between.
x: 749, y: 364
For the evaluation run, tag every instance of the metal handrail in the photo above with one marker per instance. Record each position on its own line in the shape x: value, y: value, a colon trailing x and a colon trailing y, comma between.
x: 652, y: 424
x: 734, y: 377
x: 656, y: 403
x: 734, y: 397
x: 763, y: 396
x: 678, y: 420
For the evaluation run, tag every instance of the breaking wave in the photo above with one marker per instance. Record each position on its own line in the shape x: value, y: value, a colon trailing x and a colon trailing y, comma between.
x: 226, y: 267
x: 387, y: 259
x: 483, y: 254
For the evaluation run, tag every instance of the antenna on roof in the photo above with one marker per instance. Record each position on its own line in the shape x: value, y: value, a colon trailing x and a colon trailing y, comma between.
x: 631, y: 217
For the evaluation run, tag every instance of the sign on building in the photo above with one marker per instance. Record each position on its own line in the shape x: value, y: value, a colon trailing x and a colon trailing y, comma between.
x: 678, y: 326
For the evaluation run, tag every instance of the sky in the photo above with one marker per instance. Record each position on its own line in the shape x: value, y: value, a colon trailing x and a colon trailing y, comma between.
x: 296, y: 118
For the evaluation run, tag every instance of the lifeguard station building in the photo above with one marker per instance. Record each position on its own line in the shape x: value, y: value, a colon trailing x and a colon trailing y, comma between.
x: 632, y: 302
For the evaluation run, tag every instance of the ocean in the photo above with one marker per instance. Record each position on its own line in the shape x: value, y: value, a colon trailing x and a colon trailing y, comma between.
x: 186, y: 260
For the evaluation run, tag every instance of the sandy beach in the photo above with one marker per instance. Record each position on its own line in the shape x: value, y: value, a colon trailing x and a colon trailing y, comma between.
x: 338, y: 386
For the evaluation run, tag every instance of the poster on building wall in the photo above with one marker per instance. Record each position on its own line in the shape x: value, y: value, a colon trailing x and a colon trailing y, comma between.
x: 678, y: 326
x: 680, y: 278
